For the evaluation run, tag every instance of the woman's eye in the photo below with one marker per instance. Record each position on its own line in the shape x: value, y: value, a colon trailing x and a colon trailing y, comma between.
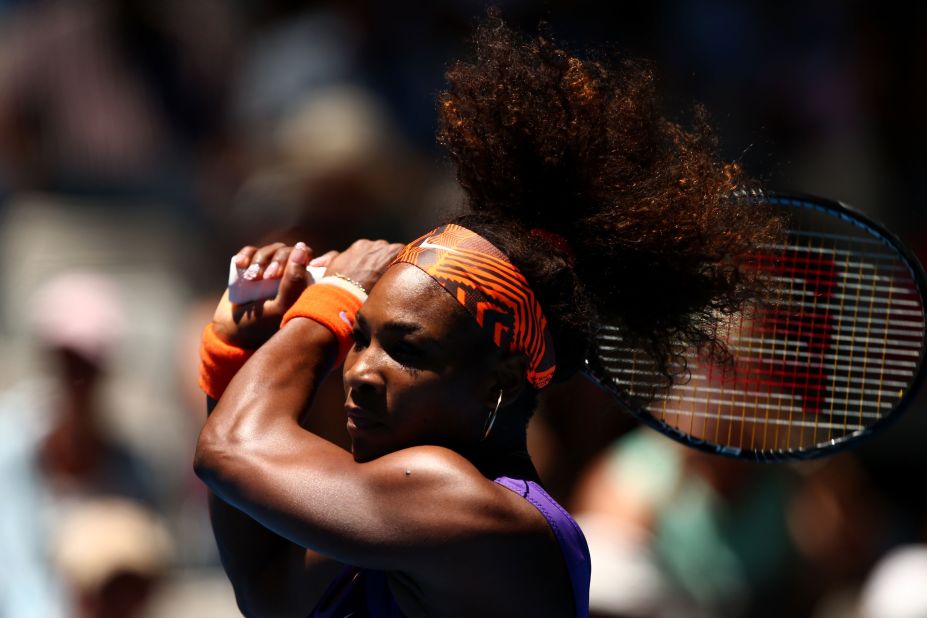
x: 406, y: 351
x: 360, y: 339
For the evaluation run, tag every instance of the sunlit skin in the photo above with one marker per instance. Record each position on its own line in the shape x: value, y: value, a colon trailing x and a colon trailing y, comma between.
x: 415, y: 499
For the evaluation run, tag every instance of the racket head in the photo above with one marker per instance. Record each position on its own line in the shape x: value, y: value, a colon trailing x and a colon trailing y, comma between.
x: 834, y: 356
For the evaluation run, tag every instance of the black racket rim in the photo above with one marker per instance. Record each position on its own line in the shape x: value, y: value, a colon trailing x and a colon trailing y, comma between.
x: 593, y: 368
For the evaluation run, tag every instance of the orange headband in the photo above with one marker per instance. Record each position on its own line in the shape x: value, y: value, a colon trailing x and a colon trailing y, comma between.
x: 483, y: 280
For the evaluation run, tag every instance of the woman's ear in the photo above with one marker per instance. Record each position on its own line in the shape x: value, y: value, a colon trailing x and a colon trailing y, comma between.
x: 509, y: 376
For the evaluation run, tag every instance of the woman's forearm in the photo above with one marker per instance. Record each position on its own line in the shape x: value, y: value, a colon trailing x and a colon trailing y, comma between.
x: 269, y: 573
x: 248, y: 550
x: 274, y: 387
x: 259, y: 413
x: 271, y: 576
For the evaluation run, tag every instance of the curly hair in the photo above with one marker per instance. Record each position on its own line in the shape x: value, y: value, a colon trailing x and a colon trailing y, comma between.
x: 543, y: 139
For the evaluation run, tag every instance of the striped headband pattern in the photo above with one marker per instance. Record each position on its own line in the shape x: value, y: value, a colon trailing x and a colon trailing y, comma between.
x: 483, y: 280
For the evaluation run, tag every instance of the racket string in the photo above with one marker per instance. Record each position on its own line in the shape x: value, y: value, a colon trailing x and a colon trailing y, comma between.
x: 832, y: 354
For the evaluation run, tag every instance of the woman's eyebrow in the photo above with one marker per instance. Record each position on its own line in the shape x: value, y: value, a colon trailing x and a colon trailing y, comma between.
x: 398, y: 328
x: 405, y: 328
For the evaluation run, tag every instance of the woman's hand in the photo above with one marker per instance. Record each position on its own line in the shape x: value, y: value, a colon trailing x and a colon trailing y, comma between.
x: 249, y: 325
x: 365, y: 261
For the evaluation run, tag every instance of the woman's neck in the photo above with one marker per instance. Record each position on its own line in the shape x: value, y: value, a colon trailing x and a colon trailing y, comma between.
x: 504, y: 456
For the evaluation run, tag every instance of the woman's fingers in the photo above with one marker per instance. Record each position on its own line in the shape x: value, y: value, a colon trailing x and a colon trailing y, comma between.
x: 244, y: 256
x: 277, y: 262
x: 251, y: 324
x: 260, y: 260
x: 324, y: 260
x: 365, y: 261
x: 295, y: 276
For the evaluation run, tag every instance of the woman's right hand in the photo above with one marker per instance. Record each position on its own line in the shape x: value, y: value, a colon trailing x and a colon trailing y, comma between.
x: 249, y: 325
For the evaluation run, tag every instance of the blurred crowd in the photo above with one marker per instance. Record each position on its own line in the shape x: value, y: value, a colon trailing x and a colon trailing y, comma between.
x: 142, y: 142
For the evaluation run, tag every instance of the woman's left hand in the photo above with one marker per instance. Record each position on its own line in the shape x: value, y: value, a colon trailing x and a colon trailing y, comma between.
x: 365, y: 261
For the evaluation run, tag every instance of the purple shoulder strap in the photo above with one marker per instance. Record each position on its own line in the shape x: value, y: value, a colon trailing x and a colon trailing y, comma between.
x: 569, y: 537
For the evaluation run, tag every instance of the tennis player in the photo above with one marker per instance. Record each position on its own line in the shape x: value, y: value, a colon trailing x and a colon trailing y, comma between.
x: 586, y: 204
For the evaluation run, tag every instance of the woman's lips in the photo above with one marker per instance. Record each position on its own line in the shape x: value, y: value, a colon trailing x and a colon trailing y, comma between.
x: 359, y: 419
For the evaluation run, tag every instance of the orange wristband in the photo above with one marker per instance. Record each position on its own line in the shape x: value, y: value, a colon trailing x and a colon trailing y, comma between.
x: 331, y: 306
x: 219, y: 362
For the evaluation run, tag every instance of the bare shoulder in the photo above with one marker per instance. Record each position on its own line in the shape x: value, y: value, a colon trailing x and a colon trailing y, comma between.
x: 488, y: 541
x: 443, y: 482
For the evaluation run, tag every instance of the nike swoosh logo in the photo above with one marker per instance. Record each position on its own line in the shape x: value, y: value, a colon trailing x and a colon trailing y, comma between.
x: 347, y: 320
x: 430, y: 245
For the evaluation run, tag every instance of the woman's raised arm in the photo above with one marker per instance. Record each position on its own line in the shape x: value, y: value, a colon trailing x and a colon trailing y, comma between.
x: 409, y: 511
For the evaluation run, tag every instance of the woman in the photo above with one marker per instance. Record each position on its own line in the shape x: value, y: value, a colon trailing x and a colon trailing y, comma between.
x: 586, y: 204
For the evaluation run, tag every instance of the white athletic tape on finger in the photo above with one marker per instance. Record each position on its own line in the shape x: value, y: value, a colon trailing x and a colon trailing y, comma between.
x: 243, y: 290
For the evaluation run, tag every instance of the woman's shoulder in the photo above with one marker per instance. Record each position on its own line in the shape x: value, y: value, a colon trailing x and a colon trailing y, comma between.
x: 451, y: 479
x: 496, y: 539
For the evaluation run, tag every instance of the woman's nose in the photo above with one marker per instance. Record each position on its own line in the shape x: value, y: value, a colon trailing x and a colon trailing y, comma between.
x: 361, y: 369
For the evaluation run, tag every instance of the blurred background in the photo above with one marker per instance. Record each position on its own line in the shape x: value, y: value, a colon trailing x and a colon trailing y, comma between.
x: 142, y: 142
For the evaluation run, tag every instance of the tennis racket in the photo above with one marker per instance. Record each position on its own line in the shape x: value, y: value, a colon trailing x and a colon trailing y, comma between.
x: 832, y: 357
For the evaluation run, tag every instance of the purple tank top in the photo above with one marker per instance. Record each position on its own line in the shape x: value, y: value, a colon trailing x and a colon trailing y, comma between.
x: 362, y: 593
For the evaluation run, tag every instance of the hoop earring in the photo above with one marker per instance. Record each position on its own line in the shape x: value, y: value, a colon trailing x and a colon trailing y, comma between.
x: 491, y: 419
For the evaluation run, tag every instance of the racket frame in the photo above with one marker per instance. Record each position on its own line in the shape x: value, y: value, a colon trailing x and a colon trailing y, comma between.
x: 595, y: 373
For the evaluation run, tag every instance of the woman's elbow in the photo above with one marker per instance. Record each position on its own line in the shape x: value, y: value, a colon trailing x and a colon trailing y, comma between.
x: 211, y: 456
x: 225, y: 461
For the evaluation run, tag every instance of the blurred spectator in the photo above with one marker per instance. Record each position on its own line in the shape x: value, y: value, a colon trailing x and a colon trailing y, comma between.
x: 896, y: 587
x: 113, y: 553
x: 111, y: 97
x: 677, y: 532
x: 54, y: 450
x: 294, y: 50
x: 893, y: 589
x: 336, y: 171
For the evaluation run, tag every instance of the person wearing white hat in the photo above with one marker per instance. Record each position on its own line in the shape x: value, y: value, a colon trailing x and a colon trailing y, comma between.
x: 55, y: 452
